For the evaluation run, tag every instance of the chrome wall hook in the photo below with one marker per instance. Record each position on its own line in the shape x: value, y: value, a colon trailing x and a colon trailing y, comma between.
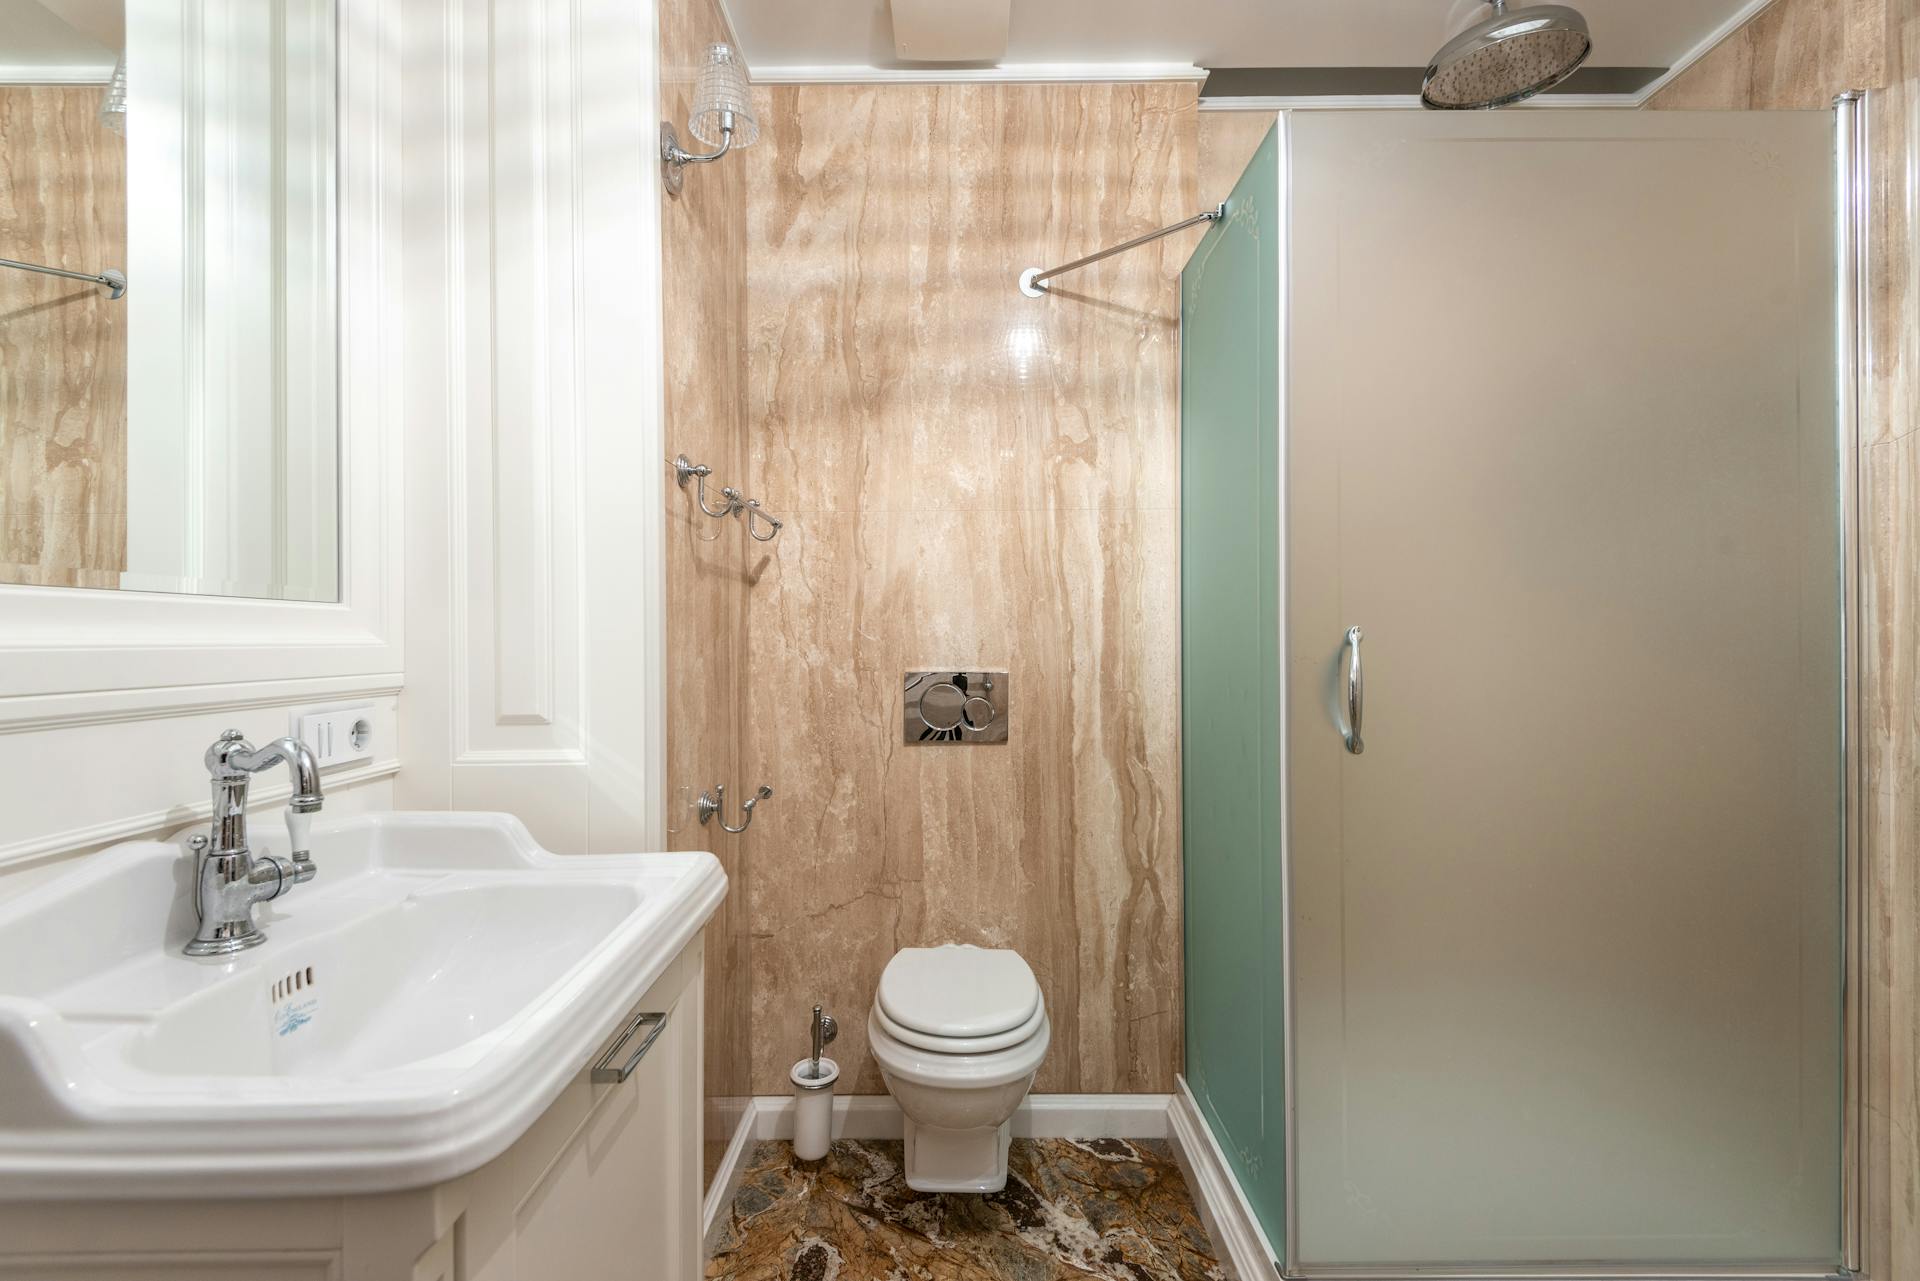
x: 734, y: 502
x: 684, y: 470
x: 711, y: 804
x: 756, y: 512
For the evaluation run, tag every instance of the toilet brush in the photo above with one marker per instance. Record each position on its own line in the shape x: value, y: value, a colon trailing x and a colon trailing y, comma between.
x: 813, y: 1079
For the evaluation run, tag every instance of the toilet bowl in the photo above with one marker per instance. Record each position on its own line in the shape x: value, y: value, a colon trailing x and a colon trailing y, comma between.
x: 958, y: 1032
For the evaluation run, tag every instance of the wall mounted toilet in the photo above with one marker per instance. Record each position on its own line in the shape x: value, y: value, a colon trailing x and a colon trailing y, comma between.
x: 958, y: 1032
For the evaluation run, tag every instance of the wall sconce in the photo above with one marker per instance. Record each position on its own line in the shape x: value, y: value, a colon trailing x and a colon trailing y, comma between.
x: 113, y: 102
x: 722, y: 117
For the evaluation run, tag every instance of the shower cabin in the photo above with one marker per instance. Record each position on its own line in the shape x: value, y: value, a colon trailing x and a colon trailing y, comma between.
x: 1517, y: 587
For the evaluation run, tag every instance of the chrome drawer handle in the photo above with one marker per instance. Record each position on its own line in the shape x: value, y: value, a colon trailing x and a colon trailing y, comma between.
x: 1356, y: 694
x: 604, y: 1073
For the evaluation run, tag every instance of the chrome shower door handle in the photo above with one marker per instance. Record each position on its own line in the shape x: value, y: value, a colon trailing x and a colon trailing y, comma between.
x: 1356, y: 693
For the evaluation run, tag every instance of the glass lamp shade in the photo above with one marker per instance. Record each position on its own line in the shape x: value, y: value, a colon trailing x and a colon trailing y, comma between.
x: 722, y: 90
x: 113, y: 102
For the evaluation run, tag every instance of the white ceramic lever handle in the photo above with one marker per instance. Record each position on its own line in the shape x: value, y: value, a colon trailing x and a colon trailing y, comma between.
x: 300, y: 835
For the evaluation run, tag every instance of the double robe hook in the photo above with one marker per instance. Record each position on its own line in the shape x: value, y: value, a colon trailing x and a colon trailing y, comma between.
x: 732, y: 501
x: 712, y: 803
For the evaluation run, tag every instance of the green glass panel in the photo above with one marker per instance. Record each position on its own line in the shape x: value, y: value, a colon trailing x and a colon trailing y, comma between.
x: 1231, y: 681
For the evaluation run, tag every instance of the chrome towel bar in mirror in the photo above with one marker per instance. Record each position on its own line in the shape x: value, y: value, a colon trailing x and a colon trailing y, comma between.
x: 112, y: 279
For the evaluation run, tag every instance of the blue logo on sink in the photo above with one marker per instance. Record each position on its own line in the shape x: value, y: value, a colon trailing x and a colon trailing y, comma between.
x: 294, y: 1015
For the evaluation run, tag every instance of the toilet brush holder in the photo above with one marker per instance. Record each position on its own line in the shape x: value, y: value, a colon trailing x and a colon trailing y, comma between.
x: 813, y: 1107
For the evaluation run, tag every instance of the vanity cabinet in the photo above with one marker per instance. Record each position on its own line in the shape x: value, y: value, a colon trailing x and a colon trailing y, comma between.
x: 604, y: 1185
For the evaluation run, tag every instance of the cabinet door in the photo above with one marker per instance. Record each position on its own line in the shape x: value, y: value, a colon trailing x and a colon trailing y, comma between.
x: 621, y: 1199
x: 437, y: 1264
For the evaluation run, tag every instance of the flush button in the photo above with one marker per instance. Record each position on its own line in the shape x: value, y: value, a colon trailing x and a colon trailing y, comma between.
x: 955, y: 707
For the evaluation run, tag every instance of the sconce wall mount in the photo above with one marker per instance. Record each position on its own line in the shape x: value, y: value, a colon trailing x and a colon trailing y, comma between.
x: 722, y: 118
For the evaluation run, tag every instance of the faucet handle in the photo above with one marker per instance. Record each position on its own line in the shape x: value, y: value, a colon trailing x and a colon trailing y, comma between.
x: 300, y: 835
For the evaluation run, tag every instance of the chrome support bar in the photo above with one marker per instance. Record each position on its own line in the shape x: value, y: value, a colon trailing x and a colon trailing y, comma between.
x: 1032, y: 280
x: 112, y: 279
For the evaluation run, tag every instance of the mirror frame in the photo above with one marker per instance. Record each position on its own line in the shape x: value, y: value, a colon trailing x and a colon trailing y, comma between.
x: 76, y: 654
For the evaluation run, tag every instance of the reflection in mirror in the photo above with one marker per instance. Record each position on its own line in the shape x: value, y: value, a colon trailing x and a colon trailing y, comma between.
x: 182, y: 437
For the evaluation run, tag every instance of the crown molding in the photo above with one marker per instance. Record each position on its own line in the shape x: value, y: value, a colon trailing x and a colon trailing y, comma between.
x: 1739, y: 18
x: 1022, y: 73
x: 1122, y: 72
x: 1404, y: 101
x: 14, y: 74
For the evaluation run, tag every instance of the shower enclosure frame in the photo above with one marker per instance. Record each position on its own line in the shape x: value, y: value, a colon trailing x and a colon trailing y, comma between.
x: 1852, y: 353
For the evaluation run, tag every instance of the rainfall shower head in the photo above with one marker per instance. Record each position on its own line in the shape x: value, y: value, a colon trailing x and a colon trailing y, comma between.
x: 1512, y: 55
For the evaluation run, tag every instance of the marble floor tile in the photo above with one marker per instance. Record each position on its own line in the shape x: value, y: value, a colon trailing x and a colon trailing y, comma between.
x: 1110, y: 1208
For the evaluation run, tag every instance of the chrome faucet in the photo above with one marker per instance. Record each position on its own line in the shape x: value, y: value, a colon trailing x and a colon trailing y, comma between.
x: 230, y: 877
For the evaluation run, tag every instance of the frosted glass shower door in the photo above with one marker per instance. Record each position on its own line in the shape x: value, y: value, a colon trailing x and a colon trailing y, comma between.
x: 1230, y: 683
x: 1561, y: 439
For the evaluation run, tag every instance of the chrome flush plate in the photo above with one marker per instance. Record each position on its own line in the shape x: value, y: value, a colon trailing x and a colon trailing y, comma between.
x: 955, y: 707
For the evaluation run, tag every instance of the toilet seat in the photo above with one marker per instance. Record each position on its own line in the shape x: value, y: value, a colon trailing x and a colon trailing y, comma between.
x: 958, y: 992
x: 961, y: 1044
x: 897, y: 1058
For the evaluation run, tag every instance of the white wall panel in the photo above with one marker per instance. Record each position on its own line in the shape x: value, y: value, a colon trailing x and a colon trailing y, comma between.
x: 534, y: 385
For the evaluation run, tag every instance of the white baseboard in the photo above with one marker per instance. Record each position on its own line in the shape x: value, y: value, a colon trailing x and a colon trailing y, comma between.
x: 858, y: 1116
x: 1247, y: 1255
x: 1041, y: 1116
x: 726, y: 1179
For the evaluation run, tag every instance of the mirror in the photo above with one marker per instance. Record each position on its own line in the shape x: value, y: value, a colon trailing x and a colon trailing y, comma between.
x: 180, y: 436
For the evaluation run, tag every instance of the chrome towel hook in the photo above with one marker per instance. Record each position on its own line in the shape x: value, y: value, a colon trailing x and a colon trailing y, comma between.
x: 758, y: 517
x: 684, y: 470
x: 755, y: 511
x: 711, y: 804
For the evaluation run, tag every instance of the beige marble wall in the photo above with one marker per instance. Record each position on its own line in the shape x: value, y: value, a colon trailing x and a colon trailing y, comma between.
x: 63, y: 343
x: 1800, y: 54
x: 704, y: 266
x: 1227, y: 141
x: 971, y: 478
x: 1794, y: 53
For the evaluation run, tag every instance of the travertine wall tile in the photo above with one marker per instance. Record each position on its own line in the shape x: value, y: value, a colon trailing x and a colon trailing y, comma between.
x: 971, y: 478
x: 1793, y: 54
x: 1228, y: 140
x: 703, y: 244
x: 63, y: 343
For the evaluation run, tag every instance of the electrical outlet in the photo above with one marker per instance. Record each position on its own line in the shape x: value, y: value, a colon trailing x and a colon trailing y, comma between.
x: 338, y: 736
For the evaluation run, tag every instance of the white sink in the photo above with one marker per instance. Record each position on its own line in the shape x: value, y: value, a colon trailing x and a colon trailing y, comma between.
x: 413, y: 1009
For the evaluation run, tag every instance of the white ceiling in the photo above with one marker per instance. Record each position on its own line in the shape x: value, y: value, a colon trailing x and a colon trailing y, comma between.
x: 1215, y: 33
x: 63, y: 39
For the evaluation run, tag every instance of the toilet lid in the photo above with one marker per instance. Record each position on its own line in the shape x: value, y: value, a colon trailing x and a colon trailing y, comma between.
x: 958, y: 990
x: 962, y: 1044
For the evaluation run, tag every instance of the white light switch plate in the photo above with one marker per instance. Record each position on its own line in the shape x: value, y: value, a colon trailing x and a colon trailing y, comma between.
x: 338, y: 736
